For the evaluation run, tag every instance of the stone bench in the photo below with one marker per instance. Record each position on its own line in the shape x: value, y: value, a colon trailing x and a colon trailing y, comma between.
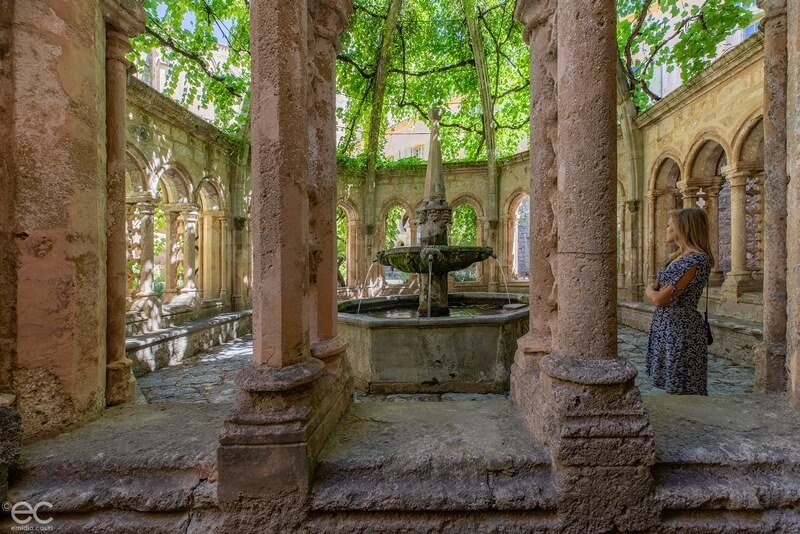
x: 734, y: 339
x: 171, y: 346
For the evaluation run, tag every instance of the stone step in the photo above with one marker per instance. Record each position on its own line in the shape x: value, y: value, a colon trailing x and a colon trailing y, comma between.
x: 425, y: 457
x: 150, y: 465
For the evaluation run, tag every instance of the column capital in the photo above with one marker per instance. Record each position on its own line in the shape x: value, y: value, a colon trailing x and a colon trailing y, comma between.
x: 652, y: 196
x: 124, y: 16
x: 772, y: 8
x: 533, y: 14
x: 117, y: 46
x: 329, y: 19
x: 632, y: 205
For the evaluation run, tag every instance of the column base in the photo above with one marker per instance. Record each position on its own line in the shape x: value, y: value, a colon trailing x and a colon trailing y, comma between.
x: 149, y: 306
x: 277, y: 428
x: 738, y: 283
x: 600, y: 437
x: 716, y: 278
x: 525, y: 390
x: 771, y: 376
x: 120, y: 383
x: 330, y: 352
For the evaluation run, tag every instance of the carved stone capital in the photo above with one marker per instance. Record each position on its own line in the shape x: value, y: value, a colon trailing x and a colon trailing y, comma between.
x: 772, y: 8
x: 632, y: 205
x: 125, y: 16
x: 533, y: 14
x: 328, y: 19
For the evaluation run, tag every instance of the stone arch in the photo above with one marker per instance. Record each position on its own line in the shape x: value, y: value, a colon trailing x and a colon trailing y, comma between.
x: 749, y: 143
x: 665, y: 178
x: 517, y: 242
x: 176, y: 184
x: 137, y: 172
x: 209, y: 195
x: 669, y: 161
x: 472, y: 200
x: 709, y: 153
x: 384, y: 212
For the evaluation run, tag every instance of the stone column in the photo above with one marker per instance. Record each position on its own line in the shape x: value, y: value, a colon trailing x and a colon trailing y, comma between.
x: 793, y: 200
x: 712, y: 210
x: 540, y: 33
x: 739, y: 279
x: 593, y: 420
x: 652, y: 212
x: 771, y: 355
x: 286, y: 405
x: 225, y: 256
x: 120, y: 384
x: 689, y: 195
x: 325, y: 27
x: 241, y: 265
x: 171, y: 255
x: 633, y: 282
x: 189, y: 290
x: 147, y: 302
x: 208, y: 268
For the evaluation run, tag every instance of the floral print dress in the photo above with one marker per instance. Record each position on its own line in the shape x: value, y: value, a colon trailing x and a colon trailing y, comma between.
x: 676, y: 351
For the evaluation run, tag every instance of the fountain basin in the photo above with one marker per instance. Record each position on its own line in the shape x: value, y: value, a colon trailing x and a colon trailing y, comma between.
x: 394, y: 351
x: 446, y: 258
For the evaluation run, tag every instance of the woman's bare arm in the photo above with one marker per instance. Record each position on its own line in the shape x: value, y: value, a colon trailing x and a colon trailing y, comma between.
x: 665, y: 296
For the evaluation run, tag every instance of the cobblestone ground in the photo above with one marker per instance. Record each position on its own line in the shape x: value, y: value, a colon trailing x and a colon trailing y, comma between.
x: 208, y: 377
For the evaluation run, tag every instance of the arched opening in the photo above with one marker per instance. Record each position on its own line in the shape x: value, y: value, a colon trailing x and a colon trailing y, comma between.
x: 706, y: 173
x: 668, y: 199
x: 464, y: 232
x: 342, y: 231
x: 211, y: 240
x: 520, y: 259
x: 751, y: 153
x: 396, y: 233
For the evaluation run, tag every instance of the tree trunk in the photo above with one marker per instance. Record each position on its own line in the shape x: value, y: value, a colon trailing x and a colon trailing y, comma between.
x: 376, y: 115
x: 487, y: 104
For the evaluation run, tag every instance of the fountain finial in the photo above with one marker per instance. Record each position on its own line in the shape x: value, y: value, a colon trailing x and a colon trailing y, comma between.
x: 434, y: 175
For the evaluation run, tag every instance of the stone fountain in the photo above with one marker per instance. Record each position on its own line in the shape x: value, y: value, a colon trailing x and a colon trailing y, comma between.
x: 467, y: 344
x: 434, y: 258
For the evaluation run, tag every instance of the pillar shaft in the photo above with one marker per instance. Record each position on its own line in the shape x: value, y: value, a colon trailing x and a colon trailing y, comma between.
x: 738, y: 223
x: 587, y: 295
x: 793, y: 199
x: 119, y: 384
x: 323, y: 46
x: 771, y: 356
x: 146, y: 211
x: 712, y: 210
x: 190, y: 219
x: 225, y: 258
x: 280, y: 182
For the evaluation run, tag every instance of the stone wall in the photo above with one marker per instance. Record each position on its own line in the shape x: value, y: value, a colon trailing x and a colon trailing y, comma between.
x: 55, y: 210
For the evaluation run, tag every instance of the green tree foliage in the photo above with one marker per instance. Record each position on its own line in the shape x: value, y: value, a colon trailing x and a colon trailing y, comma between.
x: 431, y: 61
x: 680, y: 34
x: 395, y: 219
x: 464, y: 231
x: 207, y: 44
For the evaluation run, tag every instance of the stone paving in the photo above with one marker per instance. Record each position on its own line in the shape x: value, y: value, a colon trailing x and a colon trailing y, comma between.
x: 209, y: 377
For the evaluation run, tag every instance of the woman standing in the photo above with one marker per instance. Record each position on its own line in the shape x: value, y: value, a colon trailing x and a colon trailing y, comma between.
x: 677, y: 350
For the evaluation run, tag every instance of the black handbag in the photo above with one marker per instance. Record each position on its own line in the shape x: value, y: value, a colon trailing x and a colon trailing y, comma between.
x: 709, y: 335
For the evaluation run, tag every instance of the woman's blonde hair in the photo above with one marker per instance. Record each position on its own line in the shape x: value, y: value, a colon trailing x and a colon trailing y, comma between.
x: 691, y: 225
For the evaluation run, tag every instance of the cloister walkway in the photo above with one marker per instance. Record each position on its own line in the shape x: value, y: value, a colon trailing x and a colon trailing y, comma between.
x: 208, y: 377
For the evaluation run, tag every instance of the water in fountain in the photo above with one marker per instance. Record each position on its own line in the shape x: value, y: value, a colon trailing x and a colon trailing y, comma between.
x: 361, y: 293
x: 503, y: 274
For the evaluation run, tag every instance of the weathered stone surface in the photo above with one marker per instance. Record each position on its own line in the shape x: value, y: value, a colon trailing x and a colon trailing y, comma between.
x: 10, y: 444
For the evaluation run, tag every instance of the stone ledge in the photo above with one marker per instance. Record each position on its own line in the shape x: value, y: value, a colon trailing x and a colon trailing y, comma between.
x: 152, y: 351
x: 734, y: 339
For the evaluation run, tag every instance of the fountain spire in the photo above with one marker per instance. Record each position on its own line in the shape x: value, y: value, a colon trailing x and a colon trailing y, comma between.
x: 434, y: 174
